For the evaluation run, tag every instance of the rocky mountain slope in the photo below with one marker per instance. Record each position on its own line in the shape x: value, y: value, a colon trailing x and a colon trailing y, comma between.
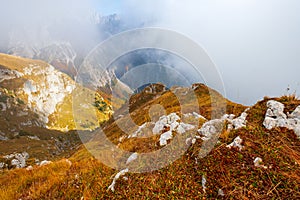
x: 44, y: 91
x: 36, y: 113
x: 164, y: 143
x: 256, y: 156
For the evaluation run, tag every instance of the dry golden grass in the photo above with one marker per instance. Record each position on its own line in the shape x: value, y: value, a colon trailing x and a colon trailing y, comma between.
x: 231, y: 170
x: 18, y: 63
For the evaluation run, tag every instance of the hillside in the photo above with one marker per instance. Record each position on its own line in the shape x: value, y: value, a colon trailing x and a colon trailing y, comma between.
x: 36, y: 113
x: 257, y: 155
x: 46, y: 92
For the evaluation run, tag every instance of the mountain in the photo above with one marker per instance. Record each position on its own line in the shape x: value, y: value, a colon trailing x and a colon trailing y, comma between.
x: 36, y: 110
x: 63, y: 44
x: 44, y: 91
x: 161, y: 141
x: 251, y: 159
x: 60, y: 55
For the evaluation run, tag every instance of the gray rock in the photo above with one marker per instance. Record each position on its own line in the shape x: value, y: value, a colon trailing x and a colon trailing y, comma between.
x: 211, y: 128
x: 295, y: 113
x: 275, y: 117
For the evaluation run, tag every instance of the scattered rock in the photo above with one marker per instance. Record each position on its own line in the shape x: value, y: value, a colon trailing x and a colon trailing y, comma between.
x: 29, y: 168
x: 211, y: 129
x: 295, y: 114
x: 131, y: 158
x: 221, y: 193
x: 203, y: 182
x: 168, y: 124
x: 195, y: 115
x: 117, y: 176
x: 240, y: 121
x: 45, y: 162
x: 214, y: 127
x: 33, y: 137
x: 123, y: 137
x: 69, y: 162
x: 169, y: 121
x: 194, y: 140
x: 165, y: 137
x: 275, y: 117
x: 2, y: 165
x: 136, y: 133
x: 182, y: 128
x: 3, y: 106
x: 3, y: 137
x: 237, y: 142
x: 188, y: 141
x: 17, y: 159
x: 257, y: 163
x: 7, y: 74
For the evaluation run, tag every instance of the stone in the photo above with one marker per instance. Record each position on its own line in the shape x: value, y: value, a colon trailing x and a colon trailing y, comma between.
x: 237, y: 142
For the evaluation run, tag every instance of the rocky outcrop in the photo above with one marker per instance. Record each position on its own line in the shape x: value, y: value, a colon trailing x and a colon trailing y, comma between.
x: 214, y: 127
x: 237, y: 143
x: 45, y: 89
x: 211, y: 129
x: 15, y: 160
x: 35, y: 86
x: 45, y: 162
x: 117, y: 176
x: 169, y: 124
x: 6, y: 74
x: 2, y: 136
x: 240, y: 121
x: 275, y: 117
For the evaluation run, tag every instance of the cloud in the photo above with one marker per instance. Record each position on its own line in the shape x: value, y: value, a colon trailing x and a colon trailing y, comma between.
x: 255, y: 44
x: 37, y: 22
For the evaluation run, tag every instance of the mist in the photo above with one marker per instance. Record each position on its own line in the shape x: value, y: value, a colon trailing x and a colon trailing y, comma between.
x: 40, y: 23
x: 255, y: 44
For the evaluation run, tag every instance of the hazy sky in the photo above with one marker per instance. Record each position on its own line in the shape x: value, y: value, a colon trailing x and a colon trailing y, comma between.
x: 254, y: 43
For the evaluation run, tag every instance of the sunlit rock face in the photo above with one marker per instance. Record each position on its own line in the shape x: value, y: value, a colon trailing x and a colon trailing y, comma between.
x: 36, y: 84
x: 36, y: 87
x: 6, y: 74
x: 275, y: 117
x: 45, y: 89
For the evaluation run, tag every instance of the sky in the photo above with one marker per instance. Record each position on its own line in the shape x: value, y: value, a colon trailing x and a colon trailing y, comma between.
x: 254, y: 43
x: 107, y: 7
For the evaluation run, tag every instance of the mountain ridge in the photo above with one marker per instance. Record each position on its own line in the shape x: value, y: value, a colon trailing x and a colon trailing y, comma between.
x: 247, y: 162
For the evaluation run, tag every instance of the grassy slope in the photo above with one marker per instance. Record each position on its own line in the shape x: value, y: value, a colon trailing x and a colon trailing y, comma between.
x: 14, y: 112
x: 230, y: 170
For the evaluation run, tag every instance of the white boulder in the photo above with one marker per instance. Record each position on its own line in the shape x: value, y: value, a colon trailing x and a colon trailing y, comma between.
x: 117, y: 176
x: 45, y: 162
x: 211, y: 128
x: 165, y: 137
x: 275, y: 117
x: 131, y: 158
x: 237, y: 142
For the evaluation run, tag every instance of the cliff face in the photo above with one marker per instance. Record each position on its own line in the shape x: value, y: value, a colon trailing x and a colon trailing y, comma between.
x: 44, y: 91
